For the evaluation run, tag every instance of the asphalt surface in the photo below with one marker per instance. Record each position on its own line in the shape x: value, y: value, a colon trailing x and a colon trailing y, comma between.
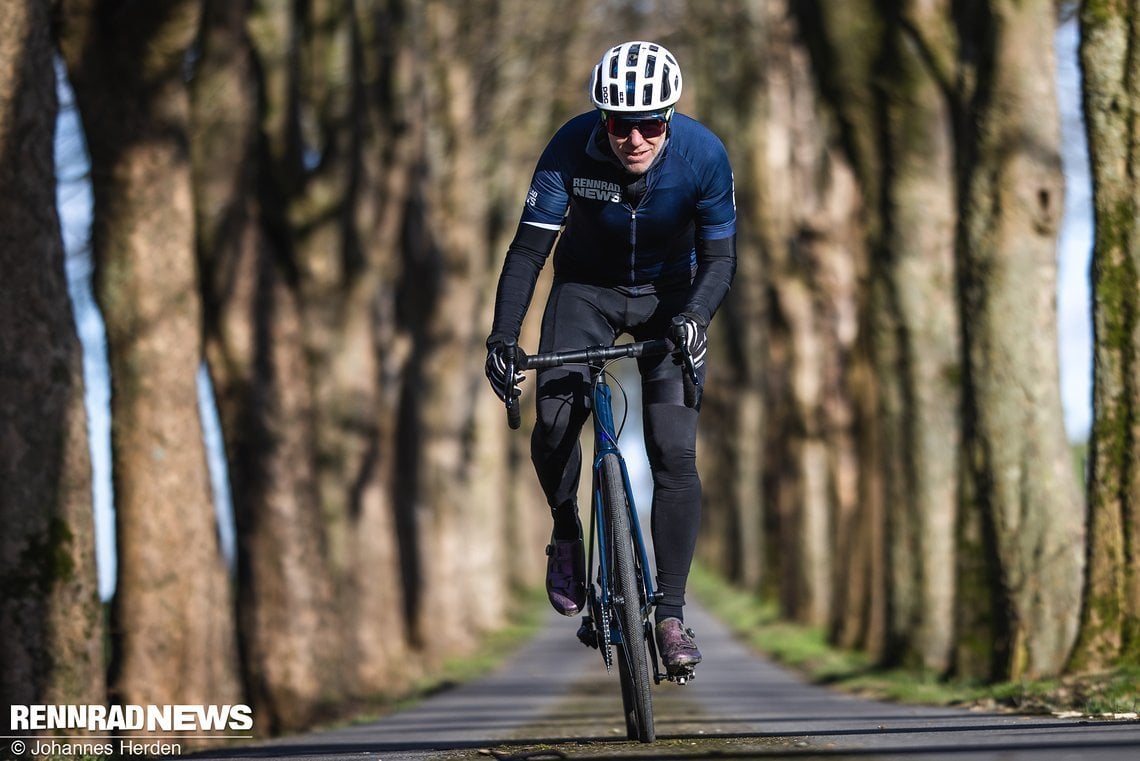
x: 554, y: 699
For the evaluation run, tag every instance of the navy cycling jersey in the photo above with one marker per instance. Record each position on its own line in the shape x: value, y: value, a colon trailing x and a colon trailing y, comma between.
x: 671, y: 229
x: 610, y: 240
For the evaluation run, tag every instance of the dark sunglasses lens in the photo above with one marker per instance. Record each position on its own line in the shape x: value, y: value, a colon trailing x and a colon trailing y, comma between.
x: 654, y: 128
x: 618, y: 127
x: 648, y: 128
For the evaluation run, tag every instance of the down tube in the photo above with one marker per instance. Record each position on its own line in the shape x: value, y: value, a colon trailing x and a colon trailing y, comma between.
x: 605, y: 441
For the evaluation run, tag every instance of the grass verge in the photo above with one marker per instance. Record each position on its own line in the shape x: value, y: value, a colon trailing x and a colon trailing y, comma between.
x: 1114, y: 694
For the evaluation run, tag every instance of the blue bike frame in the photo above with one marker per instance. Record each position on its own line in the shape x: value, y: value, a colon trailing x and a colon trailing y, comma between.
x: 605, y: 442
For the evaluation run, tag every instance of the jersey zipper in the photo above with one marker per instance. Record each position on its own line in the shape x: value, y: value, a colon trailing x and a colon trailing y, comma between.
x: 632, y: 246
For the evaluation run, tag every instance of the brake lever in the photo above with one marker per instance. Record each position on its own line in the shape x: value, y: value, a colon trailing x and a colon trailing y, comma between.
x: 692, y: 383
x: 514, y: 414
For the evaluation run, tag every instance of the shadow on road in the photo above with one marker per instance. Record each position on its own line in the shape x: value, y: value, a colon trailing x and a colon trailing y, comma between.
x: 1037, y: 740
x: 554, y: 700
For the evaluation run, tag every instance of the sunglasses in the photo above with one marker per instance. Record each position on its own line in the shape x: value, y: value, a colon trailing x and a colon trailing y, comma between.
x: 648, y: 127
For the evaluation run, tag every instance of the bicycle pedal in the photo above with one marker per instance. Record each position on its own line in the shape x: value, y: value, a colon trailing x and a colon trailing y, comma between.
x: 682, y: 675
x: 587, y: 634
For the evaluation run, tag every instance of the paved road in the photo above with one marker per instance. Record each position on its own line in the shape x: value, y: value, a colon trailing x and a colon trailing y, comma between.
x: 555, y: 700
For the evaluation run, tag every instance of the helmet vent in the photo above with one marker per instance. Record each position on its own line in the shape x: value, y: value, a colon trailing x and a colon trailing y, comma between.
x: 631, y: 58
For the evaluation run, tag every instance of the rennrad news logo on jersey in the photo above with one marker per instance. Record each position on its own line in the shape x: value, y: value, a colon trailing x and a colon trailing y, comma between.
x: 137, y: 718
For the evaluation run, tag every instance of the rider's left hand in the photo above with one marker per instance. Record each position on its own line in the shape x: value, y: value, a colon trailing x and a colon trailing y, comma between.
x: 695, y: 339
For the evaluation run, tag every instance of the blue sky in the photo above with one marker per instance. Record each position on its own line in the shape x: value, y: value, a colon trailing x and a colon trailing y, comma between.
x: 74, y: 197
x: 1074, y: 246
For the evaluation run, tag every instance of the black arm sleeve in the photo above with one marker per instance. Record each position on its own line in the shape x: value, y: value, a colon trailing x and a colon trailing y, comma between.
x: 525, y: 258
x: 716, y: 266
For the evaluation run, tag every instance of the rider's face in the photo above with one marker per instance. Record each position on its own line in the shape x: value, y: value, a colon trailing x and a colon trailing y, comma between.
x: 636, y: 152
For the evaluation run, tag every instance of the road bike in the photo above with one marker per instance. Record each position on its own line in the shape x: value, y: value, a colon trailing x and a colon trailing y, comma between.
x: 621, y: 597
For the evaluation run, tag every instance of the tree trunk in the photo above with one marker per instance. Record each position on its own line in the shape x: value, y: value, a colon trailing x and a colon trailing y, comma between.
x: 375, y: 590
x: 1110, y: 616
x: 879, y: 70
x: 816, y: 258
x: 451, y: 545
x: 845, y: 40
x: 51, y: 620
x: 732, y: 444
x: 920, y: 220
x: 1028, y: 510
x: 246, y: 176
x: 353, y: 116
x: 174, y: 636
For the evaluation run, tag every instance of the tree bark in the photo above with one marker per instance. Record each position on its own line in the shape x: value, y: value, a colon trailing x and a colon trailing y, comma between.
x: 1110, y: 616
x: 920, y: 219
x: 51, y: 619
x: 1027, y: 511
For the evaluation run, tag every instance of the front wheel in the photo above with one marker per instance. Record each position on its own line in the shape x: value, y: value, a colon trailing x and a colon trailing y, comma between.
x: 633, y: 665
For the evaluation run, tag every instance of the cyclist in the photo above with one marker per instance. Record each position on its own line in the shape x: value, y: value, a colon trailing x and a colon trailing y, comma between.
x: 643, y: 198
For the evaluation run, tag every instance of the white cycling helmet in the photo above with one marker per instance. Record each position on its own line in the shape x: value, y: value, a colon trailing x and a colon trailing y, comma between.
x: 636, y: 76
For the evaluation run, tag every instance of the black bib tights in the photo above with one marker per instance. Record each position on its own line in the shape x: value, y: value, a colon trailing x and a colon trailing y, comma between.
x: 580, y: 315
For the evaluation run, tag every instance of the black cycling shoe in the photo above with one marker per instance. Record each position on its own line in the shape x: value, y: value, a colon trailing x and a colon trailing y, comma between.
x: 675, y: 643
x: 566, y: 576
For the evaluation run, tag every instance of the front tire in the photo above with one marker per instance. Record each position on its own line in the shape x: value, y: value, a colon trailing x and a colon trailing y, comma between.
x: 633, y: 664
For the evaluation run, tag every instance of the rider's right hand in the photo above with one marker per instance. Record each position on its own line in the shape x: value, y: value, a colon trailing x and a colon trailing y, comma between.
x: 496, y: 369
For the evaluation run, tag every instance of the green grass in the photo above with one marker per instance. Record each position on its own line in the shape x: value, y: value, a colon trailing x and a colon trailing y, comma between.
x: 522, y: 622
x: 759, y: 624
x: 1080, y: 452
x: 806, y: 650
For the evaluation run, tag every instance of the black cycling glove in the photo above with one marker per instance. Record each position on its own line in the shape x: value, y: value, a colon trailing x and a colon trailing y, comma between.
x: 496, y: 369
x: 695, y: 338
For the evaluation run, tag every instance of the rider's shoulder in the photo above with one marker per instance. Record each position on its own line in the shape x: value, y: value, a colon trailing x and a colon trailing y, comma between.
x: 577, y: 129
x: 691, y: 136
x: 570, y: 141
